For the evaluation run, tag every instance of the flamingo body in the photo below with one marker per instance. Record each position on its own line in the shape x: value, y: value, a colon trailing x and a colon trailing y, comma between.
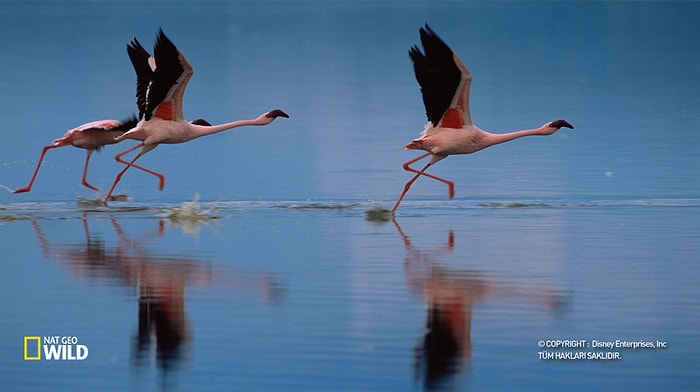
x: 445, y: 84
x: 160, y: 86
x: 92, y: 136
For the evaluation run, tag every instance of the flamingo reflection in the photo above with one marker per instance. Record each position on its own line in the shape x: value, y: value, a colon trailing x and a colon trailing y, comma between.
x: 160, y: 281
x: 163, y: 329
x: 450, y: 294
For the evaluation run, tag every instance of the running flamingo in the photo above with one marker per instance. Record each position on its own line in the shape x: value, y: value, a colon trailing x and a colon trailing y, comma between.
x: 445, y: 83
x: 160, y: 85
x: 91, y: 136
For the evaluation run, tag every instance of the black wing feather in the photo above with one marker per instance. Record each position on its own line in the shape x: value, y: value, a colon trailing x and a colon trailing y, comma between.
x: 139, y: 59
x: 168, y: 71
x: 436, y: 73
x: 128, y: 123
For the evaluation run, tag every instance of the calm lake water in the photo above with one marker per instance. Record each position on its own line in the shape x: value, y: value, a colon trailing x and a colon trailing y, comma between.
x: 264, y: 265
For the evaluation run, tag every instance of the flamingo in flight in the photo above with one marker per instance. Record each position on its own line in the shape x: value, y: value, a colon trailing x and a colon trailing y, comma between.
x: 160, y: 85
x: 445, y: 83
x: 91, y: 136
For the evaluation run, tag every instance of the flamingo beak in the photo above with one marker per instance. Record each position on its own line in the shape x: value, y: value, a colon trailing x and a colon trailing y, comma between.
x: 560, y: 124
x: 277, y: 113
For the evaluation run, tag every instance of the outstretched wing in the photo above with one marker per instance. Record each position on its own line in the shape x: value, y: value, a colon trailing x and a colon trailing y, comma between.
x: 144, y: 73
x: 167, y: 87
x: 444, y: 81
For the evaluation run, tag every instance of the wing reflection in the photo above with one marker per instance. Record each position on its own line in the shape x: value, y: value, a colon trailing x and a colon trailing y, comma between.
x: 163, y: 332
x: 445, y: 350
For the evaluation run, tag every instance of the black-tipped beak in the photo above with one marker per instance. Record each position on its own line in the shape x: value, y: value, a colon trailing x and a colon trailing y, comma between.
x: 561, y: 124
x: 277, y: 113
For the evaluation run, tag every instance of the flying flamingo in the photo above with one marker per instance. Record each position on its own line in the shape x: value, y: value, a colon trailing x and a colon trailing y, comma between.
x: 445, y: 82
x: 91, y: 136
x: 160, y: 85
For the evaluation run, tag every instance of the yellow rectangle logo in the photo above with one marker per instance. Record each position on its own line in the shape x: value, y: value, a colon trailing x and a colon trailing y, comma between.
x: 27, y: 357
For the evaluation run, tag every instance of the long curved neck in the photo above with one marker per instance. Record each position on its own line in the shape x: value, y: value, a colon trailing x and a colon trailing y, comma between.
x: 203, y: 130
x: 495, y: 138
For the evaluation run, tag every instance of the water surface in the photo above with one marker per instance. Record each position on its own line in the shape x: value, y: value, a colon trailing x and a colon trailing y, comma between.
x: 258, y: 266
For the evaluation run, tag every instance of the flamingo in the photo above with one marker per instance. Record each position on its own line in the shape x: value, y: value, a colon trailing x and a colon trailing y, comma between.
x: 160, y: 85
x: 445, y: 83
x: 90, y: 136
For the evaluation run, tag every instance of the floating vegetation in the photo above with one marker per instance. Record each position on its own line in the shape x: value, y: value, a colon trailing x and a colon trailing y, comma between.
x: 119, y: 197
x: 8, y: 218
x: 318, y: 206
x: 98, y: 200
x: 378, y: 214
x: 93, y: 202
x: 514, y: 205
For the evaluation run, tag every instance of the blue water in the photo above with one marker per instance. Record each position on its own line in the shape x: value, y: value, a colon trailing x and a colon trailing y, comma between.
x: 280, y: 277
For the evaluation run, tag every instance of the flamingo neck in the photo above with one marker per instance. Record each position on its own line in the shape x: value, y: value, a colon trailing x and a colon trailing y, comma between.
x: 495, y: 138
x: 204, y: 130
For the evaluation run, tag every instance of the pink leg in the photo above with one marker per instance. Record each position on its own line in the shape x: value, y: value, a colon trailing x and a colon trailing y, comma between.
x: 121, y: 173
x: 38, y: 165
x: 130, y: 164
x: 450, y: 184
x: 118, y: 157
x: 84, y: 181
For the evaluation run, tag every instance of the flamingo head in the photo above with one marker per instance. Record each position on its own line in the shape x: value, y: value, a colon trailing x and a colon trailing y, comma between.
x: 270, y: 116
x: 551, y: 127
x: 276, y: 113
x: 561, y: 124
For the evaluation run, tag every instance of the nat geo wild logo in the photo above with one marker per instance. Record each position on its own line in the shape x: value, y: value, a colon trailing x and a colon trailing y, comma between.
x: 54, y: 348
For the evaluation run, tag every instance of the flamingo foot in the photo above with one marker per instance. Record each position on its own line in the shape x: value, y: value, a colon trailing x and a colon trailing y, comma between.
x: 92, y: 187
x: 451, y: 190
x: 161, y: 183
x: 22, y: 190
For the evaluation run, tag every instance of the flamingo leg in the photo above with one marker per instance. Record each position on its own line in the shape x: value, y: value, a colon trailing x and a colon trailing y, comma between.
x: 85, y: 169
x: 129, y: 164
x: 407, y: 167
x: 118, y: 158
x: 36, y: 170
x: 121, y: 173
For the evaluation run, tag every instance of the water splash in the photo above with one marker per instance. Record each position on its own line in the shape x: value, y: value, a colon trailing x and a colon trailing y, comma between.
x: 190, y: 214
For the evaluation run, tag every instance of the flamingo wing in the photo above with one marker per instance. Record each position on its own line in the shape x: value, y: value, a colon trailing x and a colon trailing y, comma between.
x: 109, y: 125
x: 167, y: 86
x: 444, y: 81
x: 144, y: 73
x: 96, y: 134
